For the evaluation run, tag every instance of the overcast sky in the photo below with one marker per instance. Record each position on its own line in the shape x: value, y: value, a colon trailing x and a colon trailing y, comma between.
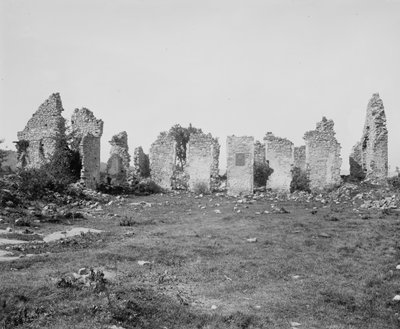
x: 226, y: 66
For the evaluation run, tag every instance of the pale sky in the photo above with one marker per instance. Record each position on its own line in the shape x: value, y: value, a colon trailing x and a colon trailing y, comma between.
x: 226, y: 66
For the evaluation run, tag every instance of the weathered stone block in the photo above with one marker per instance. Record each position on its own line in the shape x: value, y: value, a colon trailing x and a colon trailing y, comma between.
x: 162, y: 160
x: 280, y: 156
x: 240, y: 165
x: 202, y: 160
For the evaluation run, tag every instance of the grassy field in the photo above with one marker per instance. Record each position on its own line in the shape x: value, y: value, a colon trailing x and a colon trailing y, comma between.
x: 214, y: 262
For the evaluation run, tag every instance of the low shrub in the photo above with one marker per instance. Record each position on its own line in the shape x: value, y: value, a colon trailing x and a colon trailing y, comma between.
x: 201, y: 188
x: 394, y: 182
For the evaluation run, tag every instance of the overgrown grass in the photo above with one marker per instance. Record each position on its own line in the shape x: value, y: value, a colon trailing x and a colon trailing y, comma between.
x: 330, y: 269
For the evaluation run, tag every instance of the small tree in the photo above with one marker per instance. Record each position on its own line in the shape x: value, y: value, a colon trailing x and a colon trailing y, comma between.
x: 182, y: 136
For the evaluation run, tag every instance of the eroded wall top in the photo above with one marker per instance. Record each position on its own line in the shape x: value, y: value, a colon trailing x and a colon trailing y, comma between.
x: 84, y: 122
x: 46, y: 122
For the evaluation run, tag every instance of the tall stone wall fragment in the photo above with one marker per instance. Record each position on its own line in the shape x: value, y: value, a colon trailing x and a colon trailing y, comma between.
x: 141, y: 166
x: 87, y: 132
x: 280, y: 156
x: 323, y: 156
x: 162, y: 160
x: 202, y: 161
x: 300, y: 157
x: 370, y: 156
x: 118, y: 163
x: 43, y: 134
x: 240, y: 165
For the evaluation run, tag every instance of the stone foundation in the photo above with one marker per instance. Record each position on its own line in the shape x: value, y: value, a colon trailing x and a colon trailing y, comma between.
x: 240, y: 165
x: 323, y: 160
x: 280, y: 156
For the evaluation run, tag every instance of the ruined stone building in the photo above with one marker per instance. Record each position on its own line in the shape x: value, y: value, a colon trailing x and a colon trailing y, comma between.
x: 162, y: 160
x: 323, y: 160
x: 240, y: 165
x: 43, y: 135
x: 88, y: 131
x: 369, y: 157
x: 280, y: 156
x: 141, y: 165
x: 202, y: 161
x: 118, y: 163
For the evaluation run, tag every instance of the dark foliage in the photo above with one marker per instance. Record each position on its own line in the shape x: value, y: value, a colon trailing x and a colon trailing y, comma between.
x: 182, y: 136
x: 261, y: 173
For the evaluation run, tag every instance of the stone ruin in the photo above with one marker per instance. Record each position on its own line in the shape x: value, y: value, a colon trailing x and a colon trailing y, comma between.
x: 87, y: 131
x: 369, y: 157
x: 118, y: 163
x: 240, y: 165
x: 43, y: 135
x: 323, y: 160
x: 141, y: 165
x: 162, y: 160
x: 280, y: 156
x: 201, y: 167
x: 202, y: 162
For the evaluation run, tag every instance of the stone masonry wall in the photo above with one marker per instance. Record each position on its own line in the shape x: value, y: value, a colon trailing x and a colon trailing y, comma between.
x: 280, y: 155
x: 323, y: 156
x: 202, y: 161
x: 141, y: 166
x: 162, y: 160
x: 240, y: 165
x: 88, y: 131
x: 300, y: 157
x: 43, y: 134
x: 118, y: 164
x: 371, y: 154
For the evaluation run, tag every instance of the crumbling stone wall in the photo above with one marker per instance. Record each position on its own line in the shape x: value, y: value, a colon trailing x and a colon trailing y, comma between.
x: 202, y: 161
x: 280, y: 156
x: 300, y: 157
x: 162, y: 160
x: 118, y: 164
x: 141, y: 166
x: 240, y: 165
x: 87, y: 131
x: 370, y: 156
x: 43, y: 134
x: 323, y: 155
